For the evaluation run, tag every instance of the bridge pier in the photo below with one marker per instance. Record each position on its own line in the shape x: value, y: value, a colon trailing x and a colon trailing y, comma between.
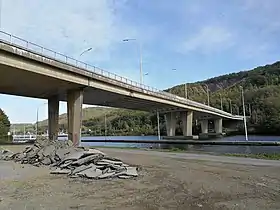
x: 53, y: 117
x: 187, y: 120
x: 74, y: 115
x: 204, y: 126
x: 218, y: 123
x: 170, y: 120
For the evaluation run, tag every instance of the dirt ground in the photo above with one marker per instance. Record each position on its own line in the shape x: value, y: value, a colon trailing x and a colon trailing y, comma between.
x: 165, y: 182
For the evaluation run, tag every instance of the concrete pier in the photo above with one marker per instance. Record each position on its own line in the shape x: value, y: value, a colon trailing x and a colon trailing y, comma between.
x: 74, y: 115
x: 187, y: 120
x: 170, y: 119
x: 53, y: 117
x: 218, y: 123
x: 204, y: 126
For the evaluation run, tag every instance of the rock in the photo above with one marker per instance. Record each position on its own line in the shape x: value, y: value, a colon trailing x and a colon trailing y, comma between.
x: 112, y: 162
x: 90, y: 173
x: 124, y: 177
x: 46, y: 161
x: 60, y: 171
x: 93, y: 151
x: 87, y: 159
x: 74, y: 156
x: 106, y: 175
x: 75, y: 162
x: 82, y: 168
x: 131, y: 171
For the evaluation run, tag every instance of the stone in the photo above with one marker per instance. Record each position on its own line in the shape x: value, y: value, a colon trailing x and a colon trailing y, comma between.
x: 131, y: 171
x: 102, y: 163
x: 60, y: 171
x: 93, y: 151
x: 82, y: 168
x: 106, y: 175
x: 46, y: 161
x: 112, y: 161
x: 74, y: 156
x: 86, y: 160
x: 90, y: 173
x: 62, y: 158
x: 124, y: 177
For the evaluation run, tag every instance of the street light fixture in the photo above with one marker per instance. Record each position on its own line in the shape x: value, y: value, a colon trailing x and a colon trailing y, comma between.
x: 87, y: 50
x: 140, y: 57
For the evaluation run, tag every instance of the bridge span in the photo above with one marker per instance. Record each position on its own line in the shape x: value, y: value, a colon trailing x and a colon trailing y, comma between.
x: 30, y: 70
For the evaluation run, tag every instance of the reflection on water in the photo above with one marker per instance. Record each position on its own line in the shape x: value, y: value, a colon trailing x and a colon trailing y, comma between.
x: 215, y: 149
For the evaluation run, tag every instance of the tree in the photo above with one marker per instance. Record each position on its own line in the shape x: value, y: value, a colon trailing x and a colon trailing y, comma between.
x: 4, y: 123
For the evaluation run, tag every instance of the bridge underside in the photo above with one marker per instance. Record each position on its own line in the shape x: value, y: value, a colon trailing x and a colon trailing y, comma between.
x: 14, y: 81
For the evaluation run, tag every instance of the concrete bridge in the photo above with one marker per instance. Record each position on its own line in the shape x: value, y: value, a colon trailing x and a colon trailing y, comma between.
x: 30, y: 70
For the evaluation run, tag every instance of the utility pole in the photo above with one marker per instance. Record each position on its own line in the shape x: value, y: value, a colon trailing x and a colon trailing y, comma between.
x: 230, y: 106
x: 186, y: 90
x: 158, y: 128
x: 221, y: 101
x: 208, y: 97
x: 105, y: 125
x: 244, y: 114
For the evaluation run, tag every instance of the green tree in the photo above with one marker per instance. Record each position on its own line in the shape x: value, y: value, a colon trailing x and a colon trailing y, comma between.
x: 4, y: 123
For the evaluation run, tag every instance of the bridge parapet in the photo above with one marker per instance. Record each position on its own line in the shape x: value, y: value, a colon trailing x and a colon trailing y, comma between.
x: 21, y: 46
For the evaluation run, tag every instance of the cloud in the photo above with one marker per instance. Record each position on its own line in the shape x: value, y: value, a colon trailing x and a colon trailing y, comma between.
x: 67, y: 26
x: 208, y: 39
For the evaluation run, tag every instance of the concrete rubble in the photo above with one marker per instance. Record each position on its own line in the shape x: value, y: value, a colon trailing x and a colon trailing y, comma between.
x: 62, y: 158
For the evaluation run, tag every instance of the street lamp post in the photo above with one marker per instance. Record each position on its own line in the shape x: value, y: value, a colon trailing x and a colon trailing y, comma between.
x: 221, y: 101
x: 230, y: 106
x: 208, y: 97
x: 158, y: 128
x: 186, y: 90
x: 244, y: 114
x: 140, y: 57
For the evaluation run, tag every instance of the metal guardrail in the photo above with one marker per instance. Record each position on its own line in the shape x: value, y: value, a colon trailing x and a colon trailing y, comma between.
x: 56, y: 56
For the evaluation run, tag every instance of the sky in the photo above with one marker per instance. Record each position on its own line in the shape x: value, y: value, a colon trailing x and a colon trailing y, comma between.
x: 198, y: 38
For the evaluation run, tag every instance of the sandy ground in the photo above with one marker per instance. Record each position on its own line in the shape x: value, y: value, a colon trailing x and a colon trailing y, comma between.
x: 166, y: 181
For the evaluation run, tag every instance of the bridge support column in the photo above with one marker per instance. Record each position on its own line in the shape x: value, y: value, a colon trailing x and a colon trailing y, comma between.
x: 204, y: 126
x: 170, y: 120
x: 53, y: 117
x: 74, y: 115
x: 218, y: 123
x: 187, y: 119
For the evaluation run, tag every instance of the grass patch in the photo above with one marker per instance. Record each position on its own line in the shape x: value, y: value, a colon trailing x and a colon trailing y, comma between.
x: 274, y: 156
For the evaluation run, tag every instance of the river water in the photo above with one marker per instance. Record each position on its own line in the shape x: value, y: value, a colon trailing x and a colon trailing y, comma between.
x: 215, y: 149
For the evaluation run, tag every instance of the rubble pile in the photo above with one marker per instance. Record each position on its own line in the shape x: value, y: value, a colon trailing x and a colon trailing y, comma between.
x: 75, y: 162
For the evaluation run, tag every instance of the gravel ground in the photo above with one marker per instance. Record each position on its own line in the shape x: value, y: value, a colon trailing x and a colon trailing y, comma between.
x: 166, y: 181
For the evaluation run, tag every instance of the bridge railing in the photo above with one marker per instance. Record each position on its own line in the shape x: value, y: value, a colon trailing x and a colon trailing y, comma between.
x: 46, y: 53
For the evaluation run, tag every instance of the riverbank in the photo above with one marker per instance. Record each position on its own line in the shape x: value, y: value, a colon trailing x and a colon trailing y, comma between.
x: 166, y: 181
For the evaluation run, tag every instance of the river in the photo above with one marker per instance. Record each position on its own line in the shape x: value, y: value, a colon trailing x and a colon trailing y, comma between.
x: 192, y: 148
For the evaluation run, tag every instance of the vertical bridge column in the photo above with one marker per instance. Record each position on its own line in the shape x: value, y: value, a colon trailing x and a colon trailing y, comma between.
x: 170, y: 119
x: 187, y: 119
x: 218, y: 123
x: 74, y: 115
x: 204, y: 126
x: 53, y: 115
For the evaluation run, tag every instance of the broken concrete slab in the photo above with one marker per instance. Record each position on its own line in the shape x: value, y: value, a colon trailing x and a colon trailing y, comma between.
x: 112, y: 161
x: 106, y: 175
x: 60, y: 171
x: 82, y: 168
x: 87, y: 159
x: 90, y: 173
x: 73, y: 161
